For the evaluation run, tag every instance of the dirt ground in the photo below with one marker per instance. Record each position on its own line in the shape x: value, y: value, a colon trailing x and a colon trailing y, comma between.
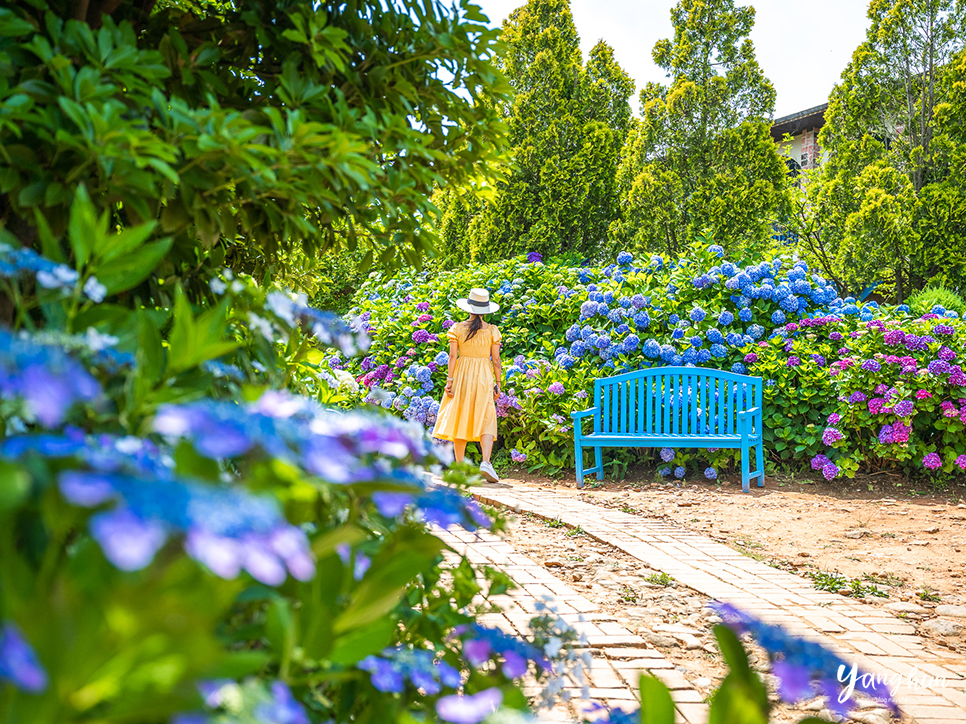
x: 668, y: 616
x: 908, y: 542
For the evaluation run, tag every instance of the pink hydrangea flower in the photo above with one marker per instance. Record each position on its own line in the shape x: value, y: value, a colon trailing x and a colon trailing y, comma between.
x: 834, y: 419
x: 932, y: 461
x: 961, y: 462
x: 923, y: 395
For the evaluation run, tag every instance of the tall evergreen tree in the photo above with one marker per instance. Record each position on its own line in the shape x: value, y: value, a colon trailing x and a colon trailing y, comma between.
x: 702, y: 157
x: 889, y: 205
x: 567, y: 124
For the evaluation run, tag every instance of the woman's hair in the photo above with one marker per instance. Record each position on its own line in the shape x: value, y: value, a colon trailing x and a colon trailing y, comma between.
x: 476, y: 324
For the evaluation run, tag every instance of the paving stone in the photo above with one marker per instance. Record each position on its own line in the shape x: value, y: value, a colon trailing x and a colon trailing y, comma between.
x: 857, y: 631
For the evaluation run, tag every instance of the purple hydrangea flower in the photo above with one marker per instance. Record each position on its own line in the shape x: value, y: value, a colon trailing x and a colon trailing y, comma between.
x: 534, y: 256
x: 556, y: 388
x: 871, y: 365
x: 834, y: 419
x: 932, y: 461
x: 904, y: 408
x: 469, y: 709
x: 819, y: 462
x: 831, y: 435
x: 18, y: 661
x: 830, y: 471
x: 283, y: 709
x: 793, y: 361
x: 856, y: 397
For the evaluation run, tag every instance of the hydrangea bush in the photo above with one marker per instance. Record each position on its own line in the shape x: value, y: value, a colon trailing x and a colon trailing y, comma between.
x: 564, y: 326
x: 194, y: 528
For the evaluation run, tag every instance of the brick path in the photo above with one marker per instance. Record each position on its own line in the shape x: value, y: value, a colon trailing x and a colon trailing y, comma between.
x: 869, y: 636
x: 619, y: 657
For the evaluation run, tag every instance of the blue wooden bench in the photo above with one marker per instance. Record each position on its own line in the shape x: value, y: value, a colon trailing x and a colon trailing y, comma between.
x: 689, y: 407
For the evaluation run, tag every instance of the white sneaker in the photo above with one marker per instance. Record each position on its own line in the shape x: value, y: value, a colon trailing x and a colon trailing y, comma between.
x: 487, y: 471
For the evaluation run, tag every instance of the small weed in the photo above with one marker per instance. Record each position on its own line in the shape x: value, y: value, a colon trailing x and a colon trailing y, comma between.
x: 836, y: 582
x: 595, y: 484
x: 574, y: 532
x: 883, y: 579
x: 577, y: 559
x: 660, y: 579
x: 887, y: 535
x: 927, y: 594
x: 628, y: 509
x: 828, y: 581
x: 628, y: 595
x: 554, y: 523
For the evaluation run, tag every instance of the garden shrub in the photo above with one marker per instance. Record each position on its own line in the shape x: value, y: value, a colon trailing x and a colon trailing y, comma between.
x: 185, y: 528
x: 564, y: 326
x: 926, y: 300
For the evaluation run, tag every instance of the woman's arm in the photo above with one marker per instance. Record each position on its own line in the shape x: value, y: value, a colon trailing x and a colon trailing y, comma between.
x: 497, y: 369
x: 454, y: 350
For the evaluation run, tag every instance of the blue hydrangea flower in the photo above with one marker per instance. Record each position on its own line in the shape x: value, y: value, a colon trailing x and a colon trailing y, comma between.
x: 696, y: 341
x: 690, y: 356
x: 678, y: 333
x: 717, y: 250
x: 714, y: 335
x: 442, y: 358
x: 667, y: 454
x: 711, y: 473
x: 642, y: 320
x: 667, y: 353
x: 704, y: 356
x: 738, y: 368
x: 679, y: 472
x: 631, y: 343
x: 778, y: 317
x: 573, y: 332
x: 625, y: 258
x: 19, y: 663
x: 602, y: 342
x: 719, y: 351
x: 602, y: 309
x: 789, y: 303
x: 665, y: 471
x: 745, y: 314
x: 652, y: 348
x: 674, y: 319
x: 698, y: 314
x: 625, y: 302
x: 623, y: 329
x: 638, y: 301
x: 725, y: 318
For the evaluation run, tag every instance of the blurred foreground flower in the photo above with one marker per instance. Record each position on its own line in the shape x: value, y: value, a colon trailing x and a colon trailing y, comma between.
x: 18, y: 662
x: 805, y: 668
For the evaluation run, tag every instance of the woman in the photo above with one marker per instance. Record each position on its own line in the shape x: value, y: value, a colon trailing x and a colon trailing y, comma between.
x: 467, y: 412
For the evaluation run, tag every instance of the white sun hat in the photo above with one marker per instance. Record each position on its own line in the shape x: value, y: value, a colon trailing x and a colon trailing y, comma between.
x: 478, y: 302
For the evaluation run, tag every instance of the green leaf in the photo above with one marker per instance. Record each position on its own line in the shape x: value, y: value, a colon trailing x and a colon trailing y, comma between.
x: 657, y: 706
x: 14, y: 485
x: 83, y: 227
x: 127, y: 271
x: 359, y: 643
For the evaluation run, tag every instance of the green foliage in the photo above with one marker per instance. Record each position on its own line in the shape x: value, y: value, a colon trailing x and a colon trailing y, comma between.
x: 541, y: 319
x: 338, y: 134
x: 887, y: 204
x: 567, y: 124
x: 923, y: 301
x: 702, y: 157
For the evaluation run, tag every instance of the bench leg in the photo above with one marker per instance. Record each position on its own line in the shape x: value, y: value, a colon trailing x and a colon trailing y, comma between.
x: 745, y: 472
x: 760, y: 463
x: 599, y: 463
x: 579, y: 452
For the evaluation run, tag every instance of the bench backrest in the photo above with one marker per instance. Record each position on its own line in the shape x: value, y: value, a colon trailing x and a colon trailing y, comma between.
x: 675, y: 401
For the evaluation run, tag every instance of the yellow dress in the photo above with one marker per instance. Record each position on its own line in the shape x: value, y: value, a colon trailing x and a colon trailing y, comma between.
x: 471, y: 411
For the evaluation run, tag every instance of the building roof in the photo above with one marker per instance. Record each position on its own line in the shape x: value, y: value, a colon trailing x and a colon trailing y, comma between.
x: 798, y: 122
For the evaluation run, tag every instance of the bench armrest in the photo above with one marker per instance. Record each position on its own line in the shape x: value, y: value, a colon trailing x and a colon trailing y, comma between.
x: 744, y: 414
x: 580, y: 414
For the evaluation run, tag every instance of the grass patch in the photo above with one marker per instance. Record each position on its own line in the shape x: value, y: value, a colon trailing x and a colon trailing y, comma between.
x: 574, y: 532
x: 660, y: 579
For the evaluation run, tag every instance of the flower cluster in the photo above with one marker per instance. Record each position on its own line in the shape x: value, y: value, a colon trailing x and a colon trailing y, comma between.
x: 389, y: 671
x: 44, y: 377
x: 805, y: 668
x: 18, y: 263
